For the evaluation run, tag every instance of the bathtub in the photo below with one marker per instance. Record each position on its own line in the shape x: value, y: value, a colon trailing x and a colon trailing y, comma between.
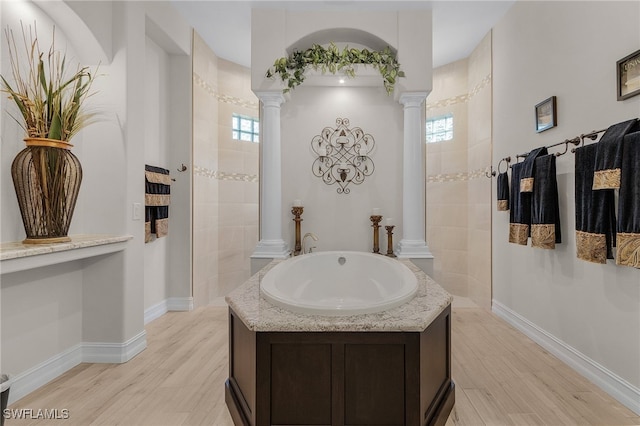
x: 335, y: 283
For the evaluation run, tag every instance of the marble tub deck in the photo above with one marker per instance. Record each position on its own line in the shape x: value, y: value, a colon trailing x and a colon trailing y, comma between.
x: 416, y: 315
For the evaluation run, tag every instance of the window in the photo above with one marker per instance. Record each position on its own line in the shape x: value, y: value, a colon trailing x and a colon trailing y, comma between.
x: 440, y: 128
x: 245, y: 128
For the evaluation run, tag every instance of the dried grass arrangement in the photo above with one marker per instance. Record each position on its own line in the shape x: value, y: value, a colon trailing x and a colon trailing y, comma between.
x: 51, y: 102
x: 46, y: 174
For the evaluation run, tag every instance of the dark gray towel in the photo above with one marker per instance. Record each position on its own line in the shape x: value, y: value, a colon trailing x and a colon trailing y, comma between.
x: 628, y: 236
x: 545, y: 213
x: 528, y: 169
x: 609, y: 155
x: 503, y: 192
x: 595, y: 211
x: 520, y: 212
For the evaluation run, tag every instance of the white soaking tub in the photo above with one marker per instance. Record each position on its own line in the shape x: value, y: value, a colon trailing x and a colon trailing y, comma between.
x: 337, y: 283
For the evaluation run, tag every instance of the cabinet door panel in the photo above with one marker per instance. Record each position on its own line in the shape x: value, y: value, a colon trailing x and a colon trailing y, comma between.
x: 300, y: 384
x: 374, y: 384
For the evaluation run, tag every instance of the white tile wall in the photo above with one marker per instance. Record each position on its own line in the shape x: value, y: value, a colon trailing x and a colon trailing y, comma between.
x: 225, y: 177
x: 458, y: 193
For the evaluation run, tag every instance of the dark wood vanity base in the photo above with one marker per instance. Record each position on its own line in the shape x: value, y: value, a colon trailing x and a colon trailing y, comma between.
x: 340, y: 378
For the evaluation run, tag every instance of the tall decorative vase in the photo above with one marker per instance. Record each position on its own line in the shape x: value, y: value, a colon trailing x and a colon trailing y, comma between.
x: 46, y: 176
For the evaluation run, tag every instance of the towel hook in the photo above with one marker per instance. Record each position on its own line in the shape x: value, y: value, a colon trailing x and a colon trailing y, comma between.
x: 575, y: 141
x: 581, y: 141
x: 506, y: 160
x: 591, y: 135
x: 182, y: 168
x: 490, y: 175
x: 566, y: 148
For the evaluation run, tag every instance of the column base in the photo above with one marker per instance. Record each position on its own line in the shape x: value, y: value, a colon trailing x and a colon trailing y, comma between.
x: 274, y: 249
x: 415, y: 249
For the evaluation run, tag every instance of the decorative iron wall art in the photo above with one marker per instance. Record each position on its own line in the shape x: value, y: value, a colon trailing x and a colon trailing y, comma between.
x: 343, y: 155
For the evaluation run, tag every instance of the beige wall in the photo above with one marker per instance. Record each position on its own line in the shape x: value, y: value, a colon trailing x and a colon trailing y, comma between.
x: 592, y: 310
x: 205, y: 163
x: 458, y: 193
x: 238, y: 180
x: 447, y: 186
x: 225, y: 209
x: 478, y: 159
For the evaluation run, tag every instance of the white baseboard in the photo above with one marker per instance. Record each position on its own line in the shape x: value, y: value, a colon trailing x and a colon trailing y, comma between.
x: 155, y: 311
x: 116, y: 353
x: 180, y: 304
x: 620, y: 389
x: 170, y: 304
x: 28, y: 381
x: 94, y: 352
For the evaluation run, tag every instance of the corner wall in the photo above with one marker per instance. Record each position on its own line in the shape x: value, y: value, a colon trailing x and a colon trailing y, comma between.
x: 587, y: 313
x: 458, y: 191
x: 205, y: 167
x: 238, y: 181
x: 167, y: 144
x: 447, y: 182
x: 225, y: 176
x: 479, y: 87
x: 57, y: 316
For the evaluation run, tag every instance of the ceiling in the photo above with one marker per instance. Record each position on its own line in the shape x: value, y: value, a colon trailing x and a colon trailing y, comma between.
x: 458, y: 26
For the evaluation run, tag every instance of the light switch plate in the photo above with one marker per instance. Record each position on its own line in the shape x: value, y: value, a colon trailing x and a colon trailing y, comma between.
x: 137, y: 211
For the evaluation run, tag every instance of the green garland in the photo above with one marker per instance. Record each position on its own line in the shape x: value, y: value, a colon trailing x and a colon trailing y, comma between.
x: 291, y: 69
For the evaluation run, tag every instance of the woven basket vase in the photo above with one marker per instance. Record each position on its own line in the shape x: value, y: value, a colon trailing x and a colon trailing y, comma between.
x: 46, y: 176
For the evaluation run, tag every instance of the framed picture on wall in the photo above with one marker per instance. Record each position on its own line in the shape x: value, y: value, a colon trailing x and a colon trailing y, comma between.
x: 628, y: 73
x: 546, y: 115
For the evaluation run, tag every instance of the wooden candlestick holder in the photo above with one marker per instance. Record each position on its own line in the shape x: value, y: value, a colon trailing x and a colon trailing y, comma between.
x: 375, y: 220
x: 389, y: 229
x: 297, y: 212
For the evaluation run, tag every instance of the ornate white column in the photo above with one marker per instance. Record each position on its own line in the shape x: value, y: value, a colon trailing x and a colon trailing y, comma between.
x: 413, y: 244
x: 271, y: 244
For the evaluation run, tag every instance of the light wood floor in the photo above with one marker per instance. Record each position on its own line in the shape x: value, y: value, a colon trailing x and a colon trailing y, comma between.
x: 502, y: 378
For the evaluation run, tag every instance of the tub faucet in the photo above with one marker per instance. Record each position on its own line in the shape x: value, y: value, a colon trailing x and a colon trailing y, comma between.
x: 313, y: 236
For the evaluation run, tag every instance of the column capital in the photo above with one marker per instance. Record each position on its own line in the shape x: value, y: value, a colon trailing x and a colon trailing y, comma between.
x: 413, y: 99
x: 271, y: 98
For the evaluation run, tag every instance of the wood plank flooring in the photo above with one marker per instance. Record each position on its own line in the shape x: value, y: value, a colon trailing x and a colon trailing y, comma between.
x: 502, y: 378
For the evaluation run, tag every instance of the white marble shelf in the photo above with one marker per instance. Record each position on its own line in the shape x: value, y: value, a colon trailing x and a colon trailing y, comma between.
x: 416, y: 315
x: 15, y: 256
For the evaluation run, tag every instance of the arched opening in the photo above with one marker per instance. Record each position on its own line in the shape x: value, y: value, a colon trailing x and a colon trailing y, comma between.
x: 341, y: 36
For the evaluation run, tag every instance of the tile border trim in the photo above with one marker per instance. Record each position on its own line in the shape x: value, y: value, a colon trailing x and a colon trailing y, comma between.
x: 459, y: 177
x: 460, y: 98
x: 199, y: 81
x: 220, y: 175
